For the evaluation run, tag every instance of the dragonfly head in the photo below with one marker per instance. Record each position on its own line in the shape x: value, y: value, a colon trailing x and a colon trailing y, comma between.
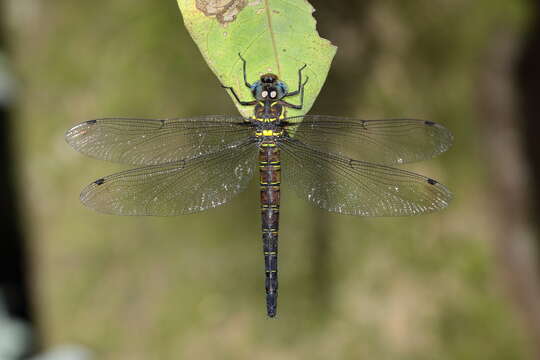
x: 269, y: 87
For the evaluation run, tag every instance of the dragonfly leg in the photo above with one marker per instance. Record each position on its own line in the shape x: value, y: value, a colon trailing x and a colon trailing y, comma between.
x: 244, y: 67
x: 244, y: 103
x: 300, y: 86
x: 293, y: 106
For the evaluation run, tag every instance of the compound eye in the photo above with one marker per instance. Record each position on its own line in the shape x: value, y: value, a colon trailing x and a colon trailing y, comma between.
x: 273, y: 94
x: 264, y: 94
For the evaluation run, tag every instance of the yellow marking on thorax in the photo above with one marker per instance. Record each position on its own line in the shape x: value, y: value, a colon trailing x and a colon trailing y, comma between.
x: 269, y: 132
x: 266, y: 120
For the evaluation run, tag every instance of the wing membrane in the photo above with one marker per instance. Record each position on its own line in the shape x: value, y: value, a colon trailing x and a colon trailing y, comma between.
x: 154, y: 141
x: 388, y: 142
x: 175, y: 188
x: 353, y: 187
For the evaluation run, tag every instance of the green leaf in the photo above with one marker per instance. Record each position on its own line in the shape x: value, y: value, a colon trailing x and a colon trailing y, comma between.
x: 274, y: 36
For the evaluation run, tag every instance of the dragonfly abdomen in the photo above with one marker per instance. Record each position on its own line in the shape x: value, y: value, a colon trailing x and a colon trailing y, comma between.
x: 270, y: 180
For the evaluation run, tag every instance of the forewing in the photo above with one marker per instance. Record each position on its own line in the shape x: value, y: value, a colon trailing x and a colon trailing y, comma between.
x: 153, y: 141
x: 353, y: 187
x: 175, y: 188
x: 389, y: 142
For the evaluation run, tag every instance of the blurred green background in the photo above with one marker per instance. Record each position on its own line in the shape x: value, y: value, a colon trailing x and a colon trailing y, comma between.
x: 191, y: 287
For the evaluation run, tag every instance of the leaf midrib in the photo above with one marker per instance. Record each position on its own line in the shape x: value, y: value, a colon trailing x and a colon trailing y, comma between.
x: 272, y: 37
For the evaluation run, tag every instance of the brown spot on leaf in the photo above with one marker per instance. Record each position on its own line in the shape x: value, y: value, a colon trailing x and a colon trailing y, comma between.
x: 225, y: 11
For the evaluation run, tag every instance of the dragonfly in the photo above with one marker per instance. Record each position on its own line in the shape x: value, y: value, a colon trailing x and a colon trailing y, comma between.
x: 343, y: 165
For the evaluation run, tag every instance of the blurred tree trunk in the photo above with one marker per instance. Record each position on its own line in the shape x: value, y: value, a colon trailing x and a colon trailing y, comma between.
x: 528, y: 81
x: 508, y: 102
x: 522, y: 250
x: 14, y: 264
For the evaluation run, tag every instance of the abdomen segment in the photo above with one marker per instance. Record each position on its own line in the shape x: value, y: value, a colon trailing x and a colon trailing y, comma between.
x: 270, y: 180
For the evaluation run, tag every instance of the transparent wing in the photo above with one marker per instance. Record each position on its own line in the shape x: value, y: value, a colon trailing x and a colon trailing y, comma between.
x: 175, y: 188
x: 389, y: 142
x: 353, y: 187
x: 153, y: 141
